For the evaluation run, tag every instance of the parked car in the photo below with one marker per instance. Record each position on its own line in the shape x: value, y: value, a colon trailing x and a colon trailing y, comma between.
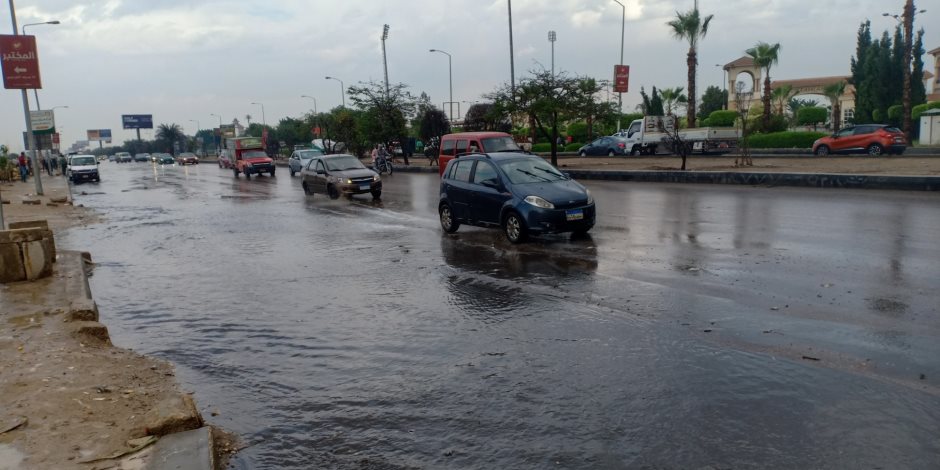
x: 142, y: 157
x: 82, y: 168
x: 112, y: 158
x: 300, y: 158
x: 521, y: 193
x: 454, y: 145
x: 608, y: 145
x: 163, y: 159
x: 339, y: 174
x: 873, y: 139
x: 123, y: 157
x: 187, y: 158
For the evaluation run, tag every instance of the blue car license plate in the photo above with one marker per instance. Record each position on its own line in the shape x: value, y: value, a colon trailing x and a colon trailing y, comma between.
x: 574, y: 214
x: 364, y: 187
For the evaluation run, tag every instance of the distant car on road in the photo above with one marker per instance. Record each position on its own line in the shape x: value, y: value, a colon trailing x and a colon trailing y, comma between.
x: 187, y: 158
x: 142, y: 157
x: 163, y: 159
x: 608, y: 145
x: 123, y: 157
x: 339, y: 174
x: 82, y: 168
x: 112, y: 158
x: 521, y: 193
x: 300, y: 158
x: 873, y: 139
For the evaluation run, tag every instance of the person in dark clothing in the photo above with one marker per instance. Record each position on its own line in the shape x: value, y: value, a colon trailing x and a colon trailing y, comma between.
x: 24, y: 169
x: 44, y: 163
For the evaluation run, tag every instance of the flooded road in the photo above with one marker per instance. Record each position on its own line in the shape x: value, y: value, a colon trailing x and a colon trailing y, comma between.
x: 698, y: 326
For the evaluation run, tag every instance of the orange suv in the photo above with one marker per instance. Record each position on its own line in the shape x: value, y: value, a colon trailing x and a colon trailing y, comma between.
x: 873, y: 139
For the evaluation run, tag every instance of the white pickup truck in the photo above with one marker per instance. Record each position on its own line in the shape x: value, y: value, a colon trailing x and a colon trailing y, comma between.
x: 646, y: 136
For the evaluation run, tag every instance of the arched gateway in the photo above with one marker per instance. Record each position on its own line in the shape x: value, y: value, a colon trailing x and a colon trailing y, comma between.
x: 743, y: 70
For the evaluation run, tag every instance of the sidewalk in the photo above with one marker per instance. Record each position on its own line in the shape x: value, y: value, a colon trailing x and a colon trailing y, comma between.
x: 900, y: 166
x: 21, y: 203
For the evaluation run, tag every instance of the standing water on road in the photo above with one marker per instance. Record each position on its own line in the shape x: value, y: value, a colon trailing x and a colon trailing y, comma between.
x: 697, y: 326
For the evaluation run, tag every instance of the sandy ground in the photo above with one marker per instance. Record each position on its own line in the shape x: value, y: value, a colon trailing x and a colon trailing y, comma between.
x: 905, y: 166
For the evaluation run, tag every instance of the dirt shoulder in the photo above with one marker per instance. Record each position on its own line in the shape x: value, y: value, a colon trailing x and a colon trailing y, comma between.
x: 61, y: 215
x: 903, y: 166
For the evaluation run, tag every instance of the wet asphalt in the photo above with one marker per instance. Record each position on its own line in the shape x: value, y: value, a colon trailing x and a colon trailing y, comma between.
x: 697, y: 327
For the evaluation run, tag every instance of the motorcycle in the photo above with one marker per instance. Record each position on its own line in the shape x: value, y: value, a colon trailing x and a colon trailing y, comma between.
x: 383, y: 164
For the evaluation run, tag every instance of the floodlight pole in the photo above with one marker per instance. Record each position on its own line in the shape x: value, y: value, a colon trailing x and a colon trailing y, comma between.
x: 30, y: 138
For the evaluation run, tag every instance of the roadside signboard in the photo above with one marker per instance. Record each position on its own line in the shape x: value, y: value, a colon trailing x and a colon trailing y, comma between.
x: 55, y: 138
x: 45, y: 141
x: 137, y: 121
x: 621, y: 78
x: 228, y: 131
x: 20, y: 62
x: 99, y: 135
x: 43, y: 121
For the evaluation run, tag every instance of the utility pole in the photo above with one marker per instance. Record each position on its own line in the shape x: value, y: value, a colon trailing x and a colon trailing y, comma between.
x: 908, y: 45
x: 551, y: 38
x: 30, y: 138
x: 623, y: 29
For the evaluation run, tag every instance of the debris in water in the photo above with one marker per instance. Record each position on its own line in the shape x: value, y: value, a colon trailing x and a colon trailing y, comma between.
x: 810, y: 358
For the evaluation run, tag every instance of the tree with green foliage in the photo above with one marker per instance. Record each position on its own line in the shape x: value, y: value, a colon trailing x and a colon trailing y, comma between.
x: 714, y: 99
x: 433, y: 122
x: 691, y: 27
x: 672, y: 99
x: 550, y: 100
x: 386, y: 113
x: 169, y: 134
x: 652, y: 104
x: 485, y: 117
x: 765, y: 56
x: 781, y: 96
x: 834, y: 92
x: 811, y: 116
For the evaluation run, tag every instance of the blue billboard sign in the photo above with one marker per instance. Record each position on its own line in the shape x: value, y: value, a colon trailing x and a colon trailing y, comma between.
x: 137, y: 121
x: 105, y: 134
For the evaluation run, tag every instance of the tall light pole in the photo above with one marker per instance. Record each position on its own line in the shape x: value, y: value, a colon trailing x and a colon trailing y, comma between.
x: 264, y: 123
x: 384, y: 59
x: 907, y: 21
x: 342, y: 89
x: 218, y: 147
x: 316, y: 114
x: 551, y: 38
x: 35, y: 91
x: 724, y: 86
x: 512, y: 60
x: 450, y: 75
x: 30, y: 138
x: 623, y: 29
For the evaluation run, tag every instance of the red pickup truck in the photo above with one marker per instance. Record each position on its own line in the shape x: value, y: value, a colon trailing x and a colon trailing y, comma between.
x: 246, y: 155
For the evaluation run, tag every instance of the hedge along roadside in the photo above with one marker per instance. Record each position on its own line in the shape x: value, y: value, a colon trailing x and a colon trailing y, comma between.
x: 784, y: 140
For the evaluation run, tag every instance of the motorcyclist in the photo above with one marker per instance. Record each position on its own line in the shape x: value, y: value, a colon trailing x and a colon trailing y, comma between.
x: 379, y: 156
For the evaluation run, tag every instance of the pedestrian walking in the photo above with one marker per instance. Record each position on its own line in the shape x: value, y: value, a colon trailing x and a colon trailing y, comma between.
x: 62, y: 162
x: 53, y: 163
x: 45, y: 164
x: 24, y: 169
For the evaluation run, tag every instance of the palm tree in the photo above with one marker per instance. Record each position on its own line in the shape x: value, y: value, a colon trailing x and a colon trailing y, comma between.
x: 834, y: 92
x: 781, y: 96
x: 672, y: 98
x: 248, y: 120
x: 170, y: 133
x: 765, y: 56
x: 691, y: 27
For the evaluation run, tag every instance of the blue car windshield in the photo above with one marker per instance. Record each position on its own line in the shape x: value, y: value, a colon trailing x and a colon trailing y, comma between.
x: 531, y: 170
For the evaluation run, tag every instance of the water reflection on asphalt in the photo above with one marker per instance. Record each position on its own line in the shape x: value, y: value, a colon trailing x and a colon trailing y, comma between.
x: 695, y: 327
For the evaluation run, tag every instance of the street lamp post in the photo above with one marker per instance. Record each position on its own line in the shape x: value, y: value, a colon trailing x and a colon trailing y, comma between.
x: 623, y: 28
x: 264, y: 123
x: 907, y: 21
x: 316, y: 114
x: 218, y: 147
x: 35, y: 91
x: 724, y: 85
x: 384, y: 59
x: 342, y: 89
x: 512, y: 60
x: 450, y: 75
x: 551, y: 38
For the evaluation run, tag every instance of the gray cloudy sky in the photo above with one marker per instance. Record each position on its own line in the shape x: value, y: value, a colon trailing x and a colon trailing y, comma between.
x: 183, y: 60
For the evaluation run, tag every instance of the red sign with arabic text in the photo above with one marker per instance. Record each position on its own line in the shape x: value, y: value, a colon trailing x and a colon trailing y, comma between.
x: 20, y: 62
x: 621, y: 78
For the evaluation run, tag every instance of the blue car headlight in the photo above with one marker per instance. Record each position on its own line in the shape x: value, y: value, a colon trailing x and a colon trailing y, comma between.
x: 539, y: 202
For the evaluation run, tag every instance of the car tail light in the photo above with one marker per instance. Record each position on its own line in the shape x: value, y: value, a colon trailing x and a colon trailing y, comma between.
x: 621, y: 145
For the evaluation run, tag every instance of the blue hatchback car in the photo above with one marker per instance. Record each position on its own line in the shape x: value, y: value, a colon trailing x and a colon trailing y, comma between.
x: 520, y: 193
